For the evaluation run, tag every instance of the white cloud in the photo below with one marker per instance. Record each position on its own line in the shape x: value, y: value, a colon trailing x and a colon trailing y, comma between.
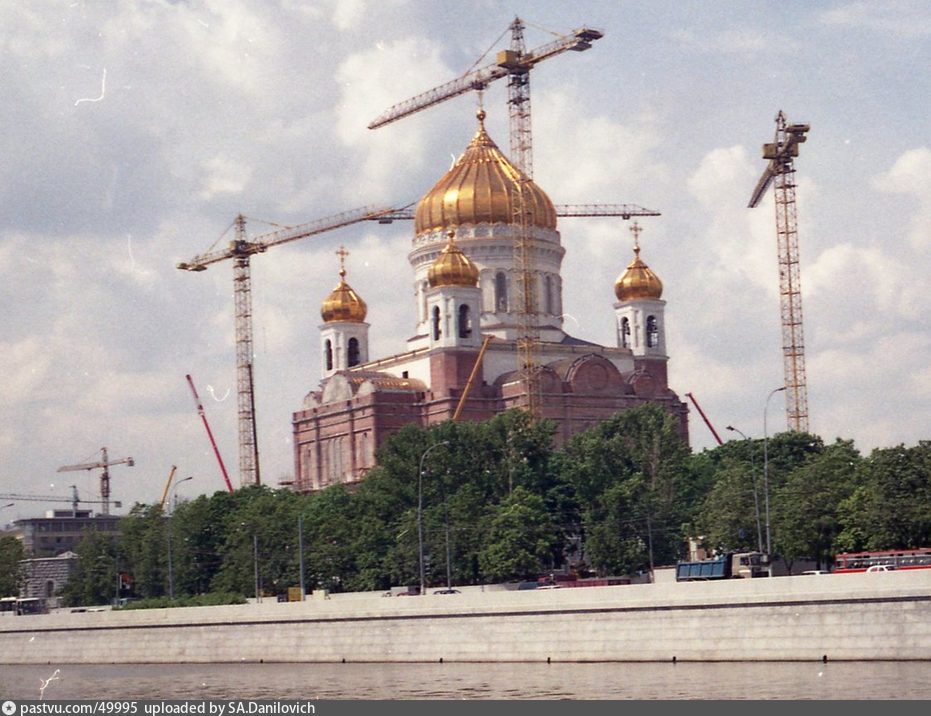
x: 224, y: 175
x: 911, y: 175
x: 739, y: 41
x: 906, y: 18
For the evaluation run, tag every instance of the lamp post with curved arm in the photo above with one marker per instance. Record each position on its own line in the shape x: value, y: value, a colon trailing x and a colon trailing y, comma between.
x: 171, y: 576
x: 769, y: 549
x: 420, y: 510
x: 756, y: 499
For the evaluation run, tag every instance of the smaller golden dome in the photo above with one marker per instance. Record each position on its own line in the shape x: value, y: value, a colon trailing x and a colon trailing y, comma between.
x: 343, y: 303
x: 452, y: 267
x: 638, y: 281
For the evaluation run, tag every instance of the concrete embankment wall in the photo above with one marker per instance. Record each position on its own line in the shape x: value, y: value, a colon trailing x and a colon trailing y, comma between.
x: 841, y: 617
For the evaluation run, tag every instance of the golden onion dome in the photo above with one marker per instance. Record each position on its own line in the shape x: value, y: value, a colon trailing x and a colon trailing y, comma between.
x: 452, y: 267
x: 638, y: 281
x: 482, y: 188
x: 343, y: 303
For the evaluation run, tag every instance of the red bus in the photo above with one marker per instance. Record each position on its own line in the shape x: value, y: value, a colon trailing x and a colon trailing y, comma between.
x: 849, y: 562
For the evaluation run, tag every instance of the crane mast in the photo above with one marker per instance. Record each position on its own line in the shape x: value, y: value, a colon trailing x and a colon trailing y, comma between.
x: 514, y: 63
x: 780, y: 172
x: 242, y: 300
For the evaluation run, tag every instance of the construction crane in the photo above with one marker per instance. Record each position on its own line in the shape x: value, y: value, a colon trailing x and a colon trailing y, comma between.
x: 780, y: 172
x: 625, y: 211
x: 705, y: 418
x: 74, y: 499
x: 515, y: 64
x: 241, y: 250
x: 216, y: 451
x: 103, y: 464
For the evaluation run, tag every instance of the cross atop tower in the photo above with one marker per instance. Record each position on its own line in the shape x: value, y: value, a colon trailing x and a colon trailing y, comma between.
x: 635, y: 229
x: 342, y: 253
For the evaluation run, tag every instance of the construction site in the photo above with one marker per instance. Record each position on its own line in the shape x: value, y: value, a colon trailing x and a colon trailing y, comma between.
x: 486, y: 255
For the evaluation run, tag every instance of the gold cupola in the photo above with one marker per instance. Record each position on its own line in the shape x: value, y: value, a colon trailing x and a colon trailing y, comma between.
x: 638, y: 281
x: 482, y: 188
x: 343, y: 303
x: 452, y: 267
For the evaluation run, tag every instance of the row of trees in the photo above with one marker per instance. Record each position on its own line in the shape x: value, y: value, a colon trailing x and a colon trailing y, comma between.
x: 501, y: 502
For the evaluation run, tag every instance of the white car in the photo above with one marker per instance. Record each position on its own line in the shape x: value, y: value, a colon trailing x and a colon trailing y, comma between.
x: 880, y: 568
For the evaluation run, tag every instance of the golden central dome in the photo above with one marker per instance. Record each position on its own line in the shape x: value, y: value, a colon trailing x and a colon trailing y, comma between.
x: 343, y: 303
x: 452, y: 267
x: 482, y: 188
x: 638, y: 281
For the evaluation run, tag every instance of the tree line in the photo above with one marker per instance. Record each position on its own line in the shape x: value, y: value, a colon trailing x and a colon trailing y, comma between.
x: 500, y: 502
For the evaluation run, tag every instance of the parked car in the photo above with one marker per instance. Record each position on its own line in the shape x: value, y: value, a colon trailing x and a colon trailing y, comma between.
x: 880, y: 568
x: 447, y: 591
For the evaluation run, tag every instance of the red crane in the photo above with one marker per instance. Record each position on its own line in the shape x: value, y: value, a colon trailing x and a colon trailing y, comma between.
x: 705, y: 418
x: 203, y: 417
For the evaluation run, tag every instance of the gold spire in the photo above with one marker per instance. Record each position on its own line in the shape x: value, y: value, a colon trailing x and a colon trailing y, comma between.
x: 638, y: 281
x: 452, y: 267
x: 343, y: 303
x: 481, y: 188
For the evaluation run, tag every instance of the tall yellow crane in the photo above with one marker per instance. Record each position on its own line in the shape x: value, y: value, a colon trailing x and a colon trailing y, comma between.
x: 514, y: 63
x: 241, y: 250
x: 103, y: 464
x: 780, y: 172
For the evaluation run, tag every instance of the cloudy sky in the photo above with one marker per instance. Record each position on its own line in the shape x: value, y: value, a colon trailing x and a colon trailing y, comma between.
x: 134, y: 132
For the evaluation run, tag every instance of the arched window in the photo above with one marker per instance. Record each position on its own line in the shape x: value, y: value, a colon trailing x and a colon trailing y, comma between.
x: 548, y: 294
x: 436, y: 323
x: 465, y: 322
x: 353, y: 352
x: 652, y: 332
x: 625, y: 333
x: 328, y: 355
x: 501, y: 291
x: 423, y: 300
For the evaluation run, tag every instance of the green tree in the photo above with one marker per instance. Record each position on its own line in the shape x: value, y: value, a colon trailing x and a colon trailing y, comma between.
x: 641, y: 451
x: 11, y: 573
x: 144, y: 549
x: 891, y: 507
x: 198, y: 533
x: 520, y: 538
x: 731, y: 518
x: 94, y: 580
x: 806, y: 506
x: 330, y: 528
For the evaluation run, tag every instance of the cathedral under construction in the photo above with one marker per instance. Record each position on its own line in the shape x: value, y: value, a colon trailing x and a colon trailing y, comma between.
x: 475, y: 233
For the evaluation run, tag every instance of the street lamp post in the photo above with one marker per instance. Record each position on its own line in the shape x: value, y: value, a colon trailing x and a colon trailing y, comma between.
x: 420, y: 511
x: 756, y: 499
x: 171, y: 576
x: 769, y: 548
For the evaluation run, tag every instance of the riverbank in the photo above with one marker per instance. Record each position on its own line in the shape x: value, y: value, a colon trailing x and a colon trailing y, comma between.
x: 850, y: 617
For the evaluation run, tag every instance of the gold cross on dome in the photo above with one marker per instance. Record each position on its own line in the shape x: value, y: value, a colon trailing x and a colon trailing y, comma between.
x: 635, y: 229
x: 342, y: 253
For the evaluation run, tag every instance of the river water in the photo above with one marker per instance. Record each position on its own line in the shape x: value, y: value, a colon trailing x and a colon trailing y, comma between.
x: 635, y: 681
